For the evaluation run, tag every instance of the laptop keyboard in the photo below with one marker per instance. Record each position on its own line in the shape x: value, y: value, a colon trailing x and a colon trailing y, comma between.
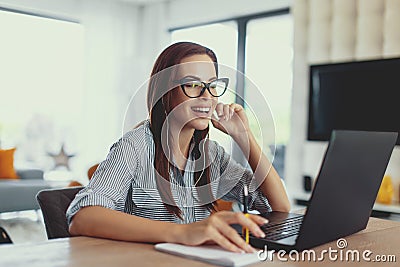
x: 282, y: 229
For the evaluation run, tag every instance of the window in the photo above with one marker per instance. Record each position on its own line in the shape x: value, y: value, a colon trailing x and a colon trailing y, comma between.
x: 261, y: 45
x: 222, y: 39
x: 269, y: 56
x: 41, y: 86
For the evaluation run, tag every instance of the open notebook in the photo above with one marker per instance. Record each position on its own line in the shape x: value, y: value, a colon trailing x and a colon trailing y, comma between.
x: 211, y: 254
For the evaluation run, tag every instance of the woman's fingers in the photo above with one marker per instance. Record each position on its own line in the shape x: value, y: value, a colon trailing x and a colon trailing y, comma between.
x: 220, y: 110
x: 222, y: 241
x: 226, y: 112
x: 217, y: 229
x: 258, y: 219
x: 251, y: 222
x: 234, y: 237
x: 248, y: 223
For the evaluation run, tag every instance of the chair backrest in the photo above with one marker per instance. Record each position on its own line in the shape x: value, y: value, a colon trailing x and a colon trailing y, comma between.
x: 54, y: 204
x: 4, y: 237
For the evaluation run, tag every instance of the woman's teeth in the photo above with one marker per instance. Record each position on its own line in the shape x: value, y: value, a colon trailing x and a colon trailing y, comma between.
x: 202, y: 110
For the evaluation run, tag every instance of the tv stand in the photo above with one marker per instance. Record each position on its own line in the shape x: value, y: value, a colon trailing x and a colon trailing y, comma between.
x: 379, y: 210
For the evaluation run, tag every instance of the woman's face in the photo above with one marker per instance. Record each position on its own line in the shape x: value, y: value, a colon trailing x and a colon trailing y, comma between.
x: 194, y: 113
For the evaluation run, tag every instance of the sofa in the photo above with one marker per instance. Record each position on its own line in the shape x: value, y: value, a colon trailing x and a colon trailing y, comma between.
x: 20, y: 194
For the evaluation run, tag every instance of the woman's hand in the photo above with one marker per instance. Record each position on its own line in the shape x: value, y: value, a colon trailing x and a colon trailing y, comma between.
x: 232, y: 119
x: 216, y: 229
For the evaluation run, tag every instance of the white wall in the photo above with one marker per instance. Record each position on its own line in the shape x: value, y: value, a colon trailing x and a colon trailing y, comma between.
x: 330, y: 31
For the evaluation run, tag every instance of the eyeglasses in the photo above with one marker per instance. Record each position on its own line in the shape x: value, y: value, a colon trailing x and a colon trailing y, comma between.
x: 194, y: 88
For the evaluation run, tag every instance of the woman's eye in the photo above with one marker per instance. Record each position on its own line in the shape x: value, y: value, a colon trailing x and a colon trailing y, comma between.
x: 192, y: 85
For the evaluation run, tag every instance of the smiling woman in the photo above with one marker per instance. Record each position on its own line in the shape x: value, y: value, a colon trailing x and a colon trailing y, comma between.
x: 161, y: 180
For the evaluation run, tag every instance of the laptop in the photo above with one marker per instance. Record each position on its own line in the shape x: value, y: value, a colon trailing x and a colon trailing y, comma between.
x: 343, y: 196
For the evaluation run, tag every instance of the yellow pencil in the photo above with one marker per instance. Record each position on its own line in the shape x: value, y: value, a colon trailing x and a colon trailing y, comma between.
x: 246, y: 234
x: 245, y: 197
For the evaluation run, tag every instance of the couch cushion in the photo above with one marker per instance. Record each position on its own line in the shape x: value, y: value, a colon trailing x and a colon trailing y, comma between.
x: 30, y: 174
x: 17, y: 195
x: 7, y: 164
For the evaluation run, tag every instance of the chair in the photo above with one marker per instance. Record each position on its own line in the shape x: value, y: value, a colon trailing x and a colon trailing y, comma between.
x: 4, y: 237
x: 54, y: 204
x: 92, y: 170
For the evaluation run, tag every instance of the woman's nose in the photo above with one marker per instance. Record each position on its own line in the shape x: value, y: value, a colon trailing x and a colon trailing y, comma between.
x: 207, y: 94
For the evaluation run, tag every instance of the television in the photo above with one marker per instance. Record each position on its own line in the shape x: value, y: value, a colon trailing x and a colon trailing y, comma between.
x: 361, y: 95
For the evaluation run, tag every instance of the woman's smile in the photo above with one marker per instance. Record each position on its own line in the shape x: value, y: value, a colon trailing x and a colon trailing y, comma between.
x: 202, y: 111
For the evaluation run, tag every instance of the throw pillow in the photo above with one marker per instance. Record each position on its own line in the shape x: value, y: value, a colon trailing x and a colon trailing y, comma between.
x: 7, y: 164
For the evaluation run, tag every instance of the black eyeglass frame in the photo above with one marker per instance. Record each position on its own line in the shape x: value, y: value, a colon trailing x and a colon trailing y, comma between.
x: 183, y: 81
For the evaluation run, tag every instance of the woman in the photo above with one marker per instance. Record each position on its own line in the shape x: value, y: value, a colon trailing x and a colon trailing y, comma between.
x: 159, y: 181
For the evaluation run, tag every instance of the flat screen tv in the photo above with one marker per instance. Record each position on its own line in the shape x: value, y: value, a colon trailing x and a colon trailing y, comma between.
x: 362, y: 95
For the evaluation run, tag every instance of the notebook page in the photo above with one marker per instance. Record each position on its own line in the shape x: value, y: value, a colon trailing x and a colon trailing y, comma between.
x: 210, y: 253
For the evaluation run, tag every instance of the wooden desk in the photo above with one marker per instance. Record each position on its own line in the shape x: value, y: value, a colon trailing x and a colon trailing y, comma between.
x: 381, y: 237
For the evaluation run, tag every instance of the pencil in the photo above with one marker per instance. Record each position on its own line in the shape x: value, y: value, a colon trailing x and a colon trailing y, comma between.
x: 245, y: 200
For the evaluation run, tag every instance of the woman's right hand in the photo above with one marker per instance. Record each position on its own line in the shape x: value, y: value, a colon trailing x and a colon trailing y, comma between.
x: 216, y: 229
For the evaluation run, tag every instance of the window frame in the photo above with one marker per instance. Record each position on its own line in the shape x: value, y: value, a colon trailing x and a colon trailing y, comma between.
x: 22, y: 12
x: 241, y: 22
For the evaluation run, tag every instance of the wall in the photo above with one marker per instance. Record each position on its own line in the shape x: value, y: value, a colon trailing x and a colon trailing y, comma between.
x: 331, y: 31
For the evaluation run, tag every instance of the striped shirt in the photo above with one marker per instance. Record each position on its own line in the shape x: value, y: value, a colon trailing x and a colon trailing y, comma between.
x: 125, y: 181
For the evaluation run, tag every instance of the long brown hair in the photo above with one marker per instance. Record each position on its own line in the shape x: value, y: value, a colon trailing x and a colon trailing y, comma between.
x: 158, y: 103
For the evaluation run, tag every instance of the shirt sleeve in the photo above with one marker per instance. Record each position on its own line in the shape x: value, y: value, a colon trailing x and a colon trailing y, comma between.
x: 110, y: 182
x: 235, y: 176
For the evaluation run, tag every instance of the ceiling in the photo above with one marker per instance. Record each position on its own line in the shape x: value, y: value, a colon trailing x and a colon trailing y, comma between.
x: 143, y: 2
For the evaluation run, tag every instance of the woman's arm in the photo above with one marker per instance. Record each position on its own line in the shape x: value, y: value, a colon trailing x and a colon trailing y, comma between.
x: 233, y: 121
x: 102, y: 222
x: 98, y: 221
x: 271, y: 186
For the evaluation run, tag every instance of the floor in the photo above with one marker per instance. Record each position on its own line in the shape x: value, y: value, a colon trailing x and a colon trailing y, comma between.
x: 28, y: 227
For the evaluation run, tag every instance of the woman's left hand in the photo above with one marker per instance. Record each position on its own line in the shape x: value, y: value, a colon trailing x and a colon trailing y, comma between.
x: 232, y: 119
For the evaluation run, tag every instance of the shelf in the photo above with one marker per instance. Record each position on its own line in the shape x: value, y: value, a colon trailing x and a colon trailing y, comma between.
x: 393, y: 208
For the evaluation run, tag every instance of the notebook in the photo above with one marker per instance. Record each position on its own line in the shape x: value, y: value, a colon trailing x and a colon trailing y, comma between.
x: 209, y: 253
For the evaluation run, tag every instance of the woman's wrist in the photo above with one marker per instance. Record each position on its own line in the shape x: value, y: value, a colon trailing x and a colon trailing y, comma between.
x: 175, y: 233
x: 244, y: 139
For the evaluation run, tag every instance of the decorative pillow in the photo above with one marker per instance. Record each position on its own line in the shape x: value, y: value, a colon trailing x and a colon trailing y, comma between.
x: 7, y: 164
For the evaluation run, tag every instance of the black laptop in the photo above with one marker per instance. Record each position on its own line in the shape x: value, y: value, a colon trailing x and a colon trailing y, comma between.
x: 343, y: 196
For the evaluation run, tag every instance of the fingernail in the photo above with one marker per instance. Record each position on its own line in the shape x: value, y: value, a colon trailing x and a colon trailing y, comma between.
x: 261, y: 233
x: 250, y: 248
x: 265, y: 221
